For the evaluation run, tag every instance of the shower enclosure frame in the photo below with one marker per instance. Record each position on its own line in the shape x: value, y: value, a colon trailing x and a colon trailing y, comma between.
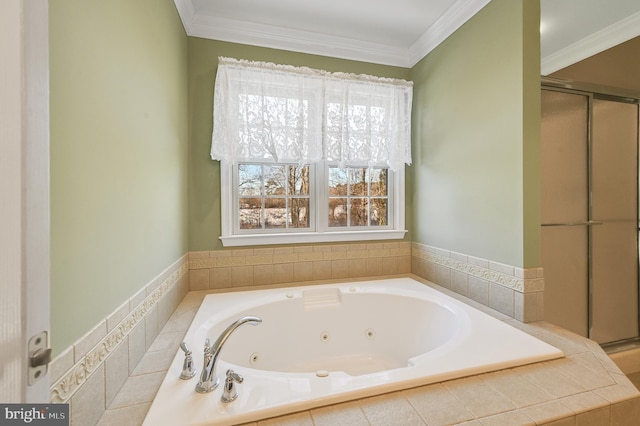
x: 598, y: 92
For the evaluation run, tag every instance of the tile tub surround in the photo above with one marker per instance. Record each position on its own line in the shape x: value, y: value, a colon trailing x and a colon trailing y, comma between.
x: 513, y: 291
x: 225, y: 269
x: 584, y: 388
x: 516, y: 292
x: 90, y: 373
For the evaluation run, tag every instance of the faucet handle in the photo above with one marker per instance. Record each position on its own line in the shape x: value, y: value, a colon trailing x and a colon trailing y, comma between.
x: 184, y: 348
x: 188, y: 371
x: 229, y: 392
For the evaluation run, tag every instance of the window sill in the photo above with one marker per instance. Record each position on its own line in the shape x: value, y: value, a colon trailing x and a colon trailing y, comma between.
x: 310, y: 237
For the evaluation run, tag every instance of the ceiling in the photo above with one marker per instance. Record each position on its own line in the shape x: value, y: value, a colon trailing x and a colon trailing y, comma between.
x: 401, y: 32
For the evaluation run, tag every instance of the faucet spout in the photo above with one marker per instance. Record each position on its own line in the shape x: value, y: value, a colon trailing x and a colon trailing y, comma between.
x: 208, y: 379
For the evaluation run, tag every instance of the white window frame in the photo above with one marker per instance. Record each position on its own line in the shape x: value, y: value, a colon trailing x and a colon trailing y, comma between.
x: 321, y: 233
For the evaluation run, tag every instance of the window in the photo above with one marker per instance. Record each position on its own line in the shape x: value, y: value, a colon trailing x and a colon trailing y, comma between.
x: 309, y: 156
x: 272, y: 196
x: 358, y: 197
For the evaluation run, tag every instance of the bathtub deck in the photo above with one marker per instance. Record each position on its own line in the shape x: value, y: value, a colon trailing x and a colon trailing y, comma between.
x: 586, y: 386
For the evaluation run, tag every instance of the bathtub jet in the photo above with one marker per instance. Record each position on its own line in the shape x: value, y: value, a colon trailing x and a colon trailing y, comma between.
x: 325, y: 344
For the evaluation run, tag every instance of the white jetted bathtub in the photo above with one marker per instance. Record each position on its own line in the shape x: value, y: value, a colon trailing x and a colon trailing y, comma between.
x: 324, y: 344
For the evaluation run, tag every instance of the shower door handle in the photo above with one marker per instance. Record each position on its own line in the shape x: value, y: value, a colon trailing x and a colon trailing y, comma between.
x: 587, y: 223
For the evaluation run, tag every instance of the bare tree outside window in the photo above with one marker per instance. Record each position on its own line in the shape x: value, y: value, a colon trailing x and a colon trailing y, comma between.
x: 273, y: 196
x: 358, y: 196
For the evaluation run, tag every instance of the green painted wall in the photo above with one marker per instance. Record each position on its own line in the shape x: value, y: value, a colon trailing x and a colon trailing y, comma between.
x: 476, y: 119
x: 204, y: 175
x: 119, y: 156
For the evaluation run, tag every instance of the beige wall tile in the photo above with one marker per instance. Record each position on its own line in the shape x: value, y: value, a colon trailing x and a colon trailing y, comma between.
x: 87, y: 342
x: 626, y: 412
x: 166, y: 305
x: 502, y: 268
x: 88, y: 403
x: 117, y: 316
x: 597, y: 417
x: 357, y: 268
x: 137, y: 299
x: 404, y: 264
x: 263, y: 274
x: 199, y: 279
x: 151, y: 326
x: 442, y: 276
x: 374, y: 267
x: 137, y: 345
x: 321, y: 270
x: 283, y: 272
x: 340, y: 268
x: 116, y: 370
x: 389, y: 265
x: 220, y: 278
x: 460, y: 282
x: 61, y: 364
x: 303, y: 271
x: 501, y: 299
x: 241, y: 276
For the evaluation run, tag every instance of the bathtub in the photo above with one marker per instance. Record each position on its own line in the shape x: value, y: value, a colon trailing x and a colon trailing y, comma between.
x: 330, y: 343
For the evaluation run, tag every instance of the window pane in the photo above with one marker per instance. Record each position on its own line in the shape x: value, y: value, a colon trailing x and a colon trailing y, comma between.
x: 337, y: 212
x: 279, y: 196
x: 378, y: 182
x: 299, y: 213
x: 337, y: 182
x: 359, y: 212
x: 249, y: 179
x: 358, y: 181
x: 275, y: 180
x: 298, y: 180
x: 379, y: 212
x: 275, y: 213
x: 250, y: 213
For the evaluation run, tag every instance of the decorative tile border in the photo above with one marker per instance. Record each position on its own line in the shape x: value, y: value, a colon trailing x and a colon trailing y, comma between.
x: 64, y: 388
x: 529, y: 280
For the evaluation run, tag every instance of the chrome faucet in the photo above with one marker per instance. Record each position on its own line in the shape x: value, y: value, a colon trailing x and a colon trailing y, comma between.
x: 208, y: 379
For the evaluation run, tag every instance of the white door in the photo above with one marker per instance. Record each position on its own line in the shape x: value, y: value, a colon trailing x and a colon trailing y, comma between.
x: 24, y: 197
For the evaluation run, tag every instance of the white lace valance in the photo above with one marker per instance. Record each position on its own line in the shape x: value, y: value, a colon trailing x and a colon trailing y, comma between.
x: 280, y: 113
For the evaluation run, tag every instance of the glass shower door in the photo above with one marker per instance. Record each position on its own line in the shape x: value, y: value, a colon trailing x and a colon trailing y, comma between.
x: 589, y: 147
x: 564, y: 214
x: 614, y: 244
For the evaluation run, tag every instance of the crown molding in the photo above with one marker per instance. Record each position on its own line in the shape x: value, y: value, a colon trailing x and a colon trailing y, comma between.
x: 255, y: 34
x: 597, y: 42
x: 447, y: 24
x: 234, y: 31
